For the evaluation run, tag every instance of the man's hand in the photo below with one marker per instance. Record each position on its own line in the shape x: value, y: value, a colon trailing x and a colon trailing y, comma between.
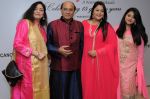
x: 63, y: 50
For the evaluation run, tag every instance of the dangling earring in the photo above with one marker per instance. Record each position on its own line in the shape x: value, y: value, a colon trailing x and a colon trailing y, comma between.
x: 135, y: 23
x: 43, y: 18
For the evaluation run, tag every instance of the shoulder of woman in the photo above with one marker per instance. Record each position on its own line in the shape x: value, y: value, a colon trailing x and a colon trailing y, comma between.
x: 113, y: 27
x: 23, y: 22
x: 84, y: 21
x: 109, y: 25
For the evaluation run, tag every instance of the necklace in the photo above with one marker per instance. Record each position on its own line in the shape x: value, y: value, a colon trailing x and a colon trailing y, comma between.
x: 90, y: 30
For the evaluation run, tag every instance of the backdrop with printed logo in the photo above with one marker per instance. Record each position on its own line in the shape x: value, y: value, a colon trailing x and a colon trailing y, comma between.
x: 12, y: 11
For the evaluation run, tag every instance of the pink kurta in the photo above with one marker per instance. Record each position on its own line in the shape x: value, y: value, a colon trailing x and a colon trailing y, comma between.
x: 100, y: 75
x: 25, y: 89
x: 131, y: 68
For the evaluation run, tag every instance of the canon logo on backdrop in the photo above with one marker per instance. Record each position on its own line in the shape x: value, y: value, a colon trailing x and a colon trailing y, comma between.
x: 2, y: 55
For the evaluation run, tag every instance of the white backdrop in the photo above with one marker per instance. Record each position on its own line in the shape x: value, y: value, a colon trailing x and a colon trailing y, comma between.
x: 12, y: 10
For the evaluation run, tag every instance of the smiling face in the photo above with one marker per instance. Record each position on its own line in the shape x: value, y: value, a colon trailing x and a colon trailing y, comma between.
x: 67, y: 10
x: 129, y: 18
x: 98, y: 13
x: 38, y: 12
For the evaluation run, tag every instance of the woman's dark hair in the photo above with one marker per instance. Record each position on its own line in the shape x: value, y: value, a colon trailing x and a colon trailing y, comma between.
x: 29, y: 13
x: 103, y: 23
x: 137, y: 28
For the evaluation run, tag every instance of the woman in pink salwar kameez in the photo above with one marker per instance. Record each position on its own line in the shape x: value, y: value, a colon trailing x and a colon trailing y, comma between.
x: 131, y: 41
x: 31, y: 55
x: 100, y: 65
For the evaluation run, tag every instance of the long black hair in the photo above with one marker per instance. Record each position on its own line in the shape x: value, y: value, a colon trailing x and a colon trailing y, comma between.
x: 29, y: 13
x: 103, y: 22
x: 137, y: 29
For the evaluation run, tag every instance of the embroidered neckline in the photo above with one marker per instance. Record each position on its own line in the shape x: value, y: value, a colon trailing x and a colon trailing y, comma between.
x: 90, y: 29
